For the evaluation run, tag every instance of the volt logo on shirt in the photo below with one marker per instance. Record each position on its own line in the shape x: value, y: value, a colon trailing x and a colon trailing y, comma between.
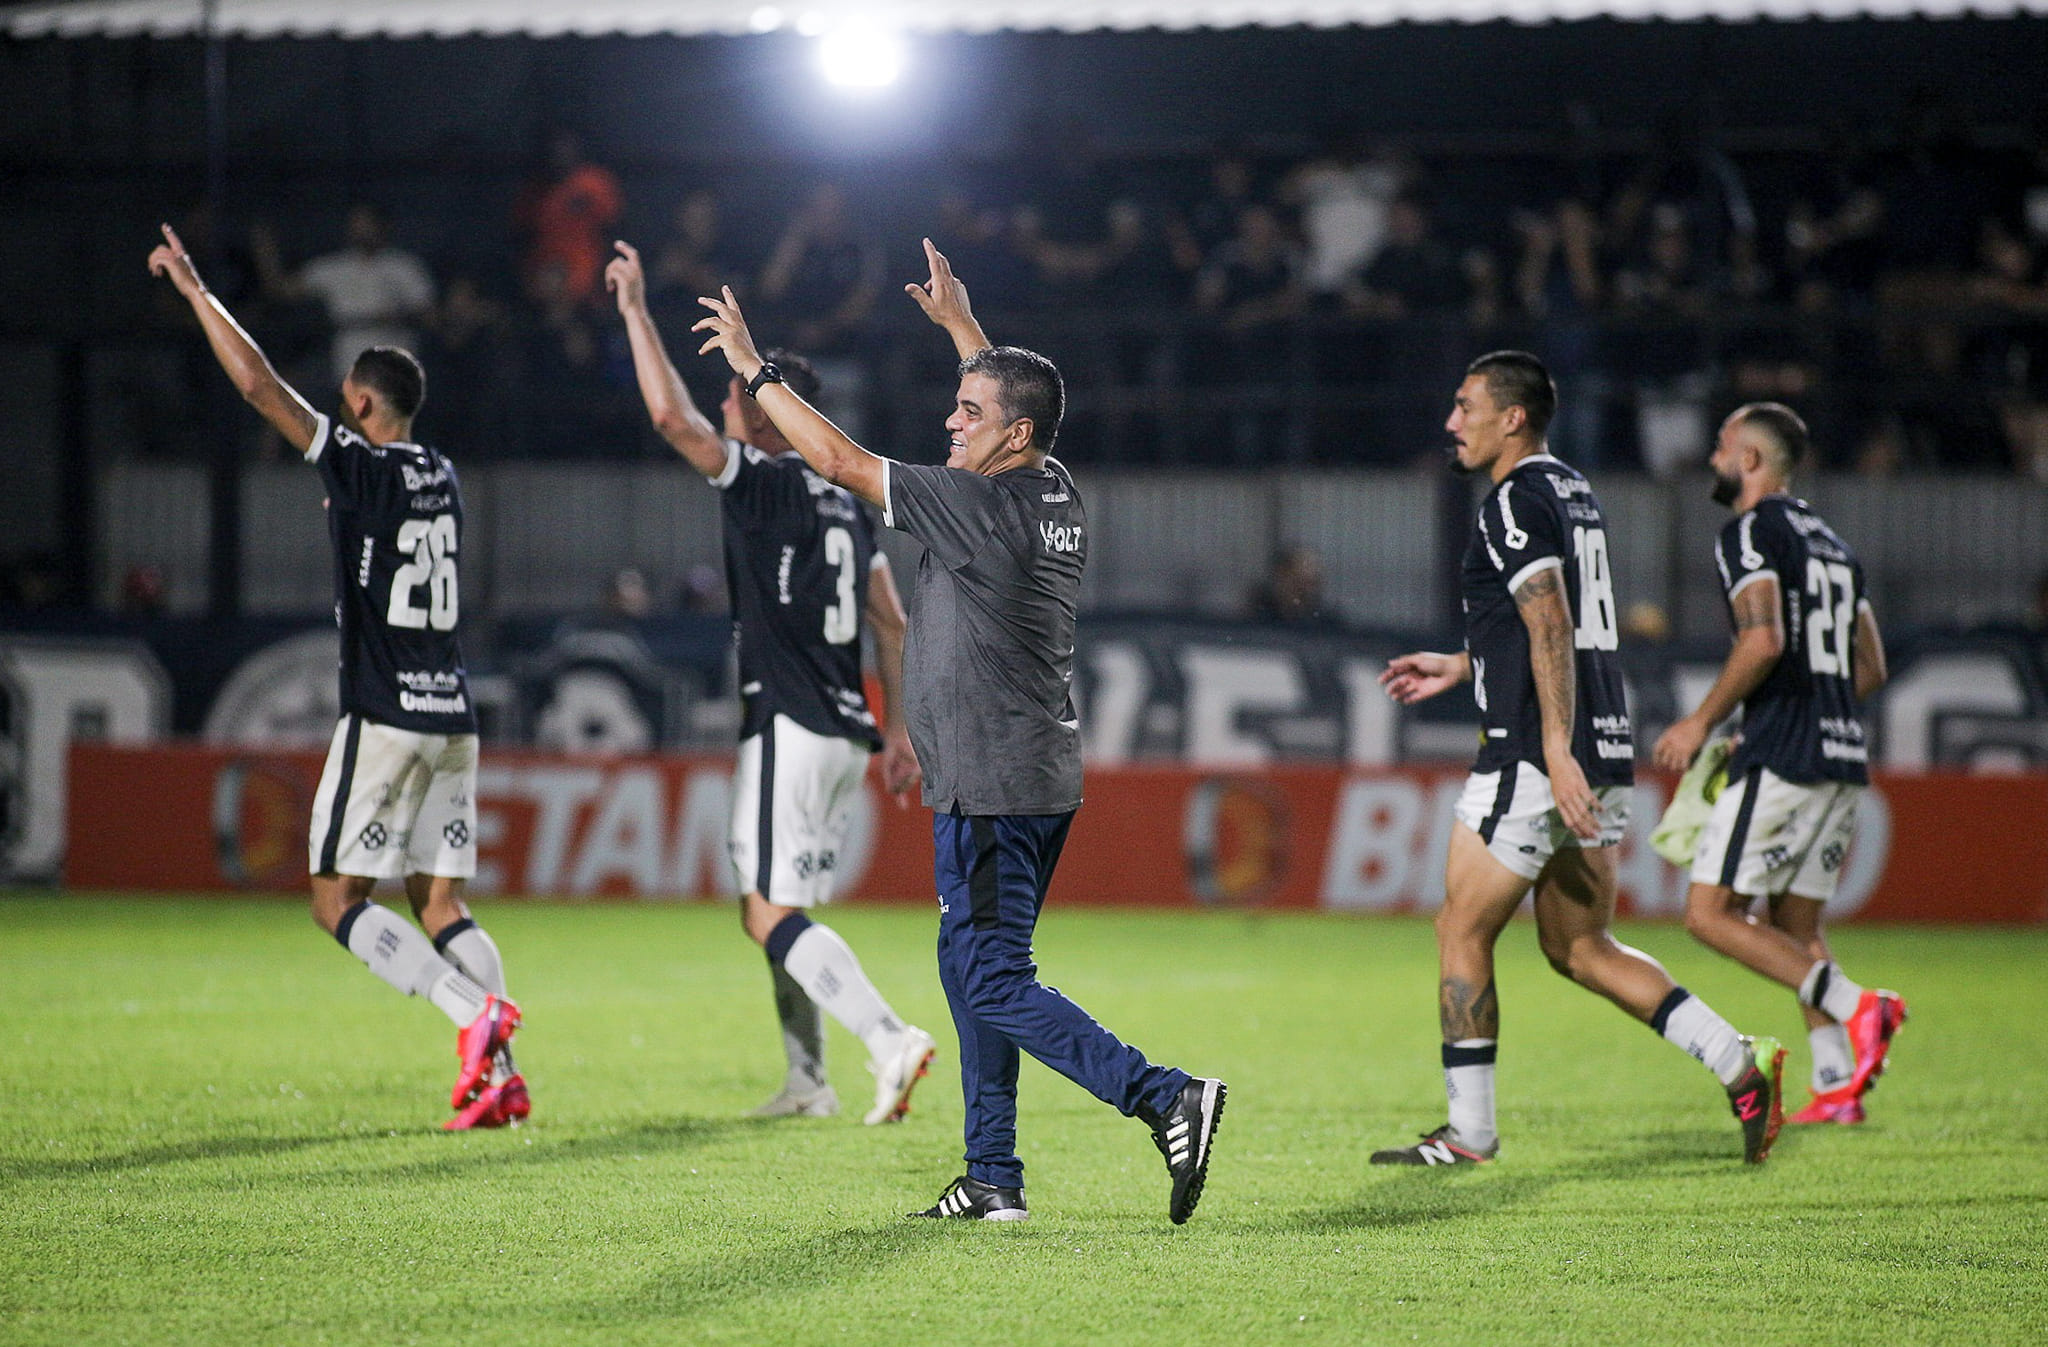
x: 1060, y: 537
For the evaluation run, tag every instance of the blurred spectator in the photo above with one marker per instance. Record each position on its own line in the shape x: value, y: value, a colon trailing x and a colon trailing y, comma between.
x: 1253, y: 279
x: 975, y: 237
x: 478, y: 389
x: 374, y: 294
x: 1665, y: 289
x: 1229, y: 185
x: 569, y: 217
x: 1832, y: 247
x: 1344, y: 196
x: 1412, y: 274
x: 693, y: 260
x: 1291, y: 590
x: 822, y: 280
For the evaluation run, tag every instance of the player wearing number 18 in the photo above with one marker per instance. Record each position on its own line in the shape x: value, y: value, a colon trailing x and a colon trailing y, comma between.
x: 1547, y: 801
x: 398, y: 797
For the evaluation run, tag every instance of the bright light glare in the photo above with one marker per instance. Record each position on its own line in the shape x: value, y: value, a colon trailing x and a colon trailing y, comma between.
x: 861, y: 56
x: 766, y: 19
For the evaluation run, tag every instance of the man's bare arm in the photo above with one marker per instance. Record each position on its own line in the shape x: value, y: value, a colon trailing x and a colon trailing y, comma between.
x: 1553, y: 662
x: 1759, y: 643
x: 900, y: 769
x: 1871, y: 670
x: 236, y: 350
x: 669, y: 405
x: 831, y: 454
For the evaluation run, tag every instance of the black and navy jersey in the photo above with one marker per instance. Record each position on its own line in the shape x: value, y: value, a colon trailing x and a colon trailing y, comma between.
x: 1544, y: 514
x: 394, y: 513
x: 798, y: 551
x: 1803, y: 721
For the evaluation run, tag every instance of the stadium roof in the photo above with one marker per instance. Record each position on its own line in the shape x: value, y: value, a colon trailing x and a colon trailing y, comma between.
x: 548, y: 18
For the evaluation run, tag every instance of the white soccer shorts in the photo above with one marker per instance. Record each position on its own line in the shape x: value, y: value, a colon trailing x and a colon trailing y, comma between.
x: 1768, y: 835
x: 395, y: 802
x: 793, y: 793
x: 1514, y: 814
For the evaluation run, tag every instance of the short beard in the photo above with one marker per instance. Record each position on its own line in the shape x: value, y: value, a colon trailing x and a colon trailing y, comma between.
x: 1458, y: 465
x: 1726, y: 489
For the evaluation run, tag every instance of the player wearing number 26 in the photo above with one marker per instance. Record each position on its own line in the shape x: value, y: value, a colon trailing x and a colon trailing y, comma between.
x: 1547, y: 801
x: 397, y: 799
x: 1806, y: 654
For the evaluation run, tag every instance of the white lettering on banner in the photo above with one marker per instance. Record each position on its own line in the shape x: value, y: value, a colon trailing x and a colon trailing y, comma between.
x: 1914, y: 701
x: 1116, y: 699
x: 698, y: 859
x: 1224, y: 684
x: 1369, y: 720
x: 112, y: 691
x: 625, y: 838
x: 561, y: 793
x: 1372, y: 844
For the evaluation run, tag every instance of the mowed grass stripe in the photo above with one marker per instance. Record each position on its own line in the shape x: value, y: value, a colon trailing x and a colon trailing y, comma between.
x: 217, y: 1127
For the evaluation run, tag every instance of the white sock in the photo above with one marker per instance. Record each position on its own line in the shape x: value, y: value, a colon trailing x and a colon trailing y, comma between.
x: 1695, y: 1028
x: 803, y: 1033
x: 1828, y: 989
x: 396, y: 951
x: 824, y: 966
x: 473, y: 951
x: 1469, y: 1088
x: 1834, y: 1061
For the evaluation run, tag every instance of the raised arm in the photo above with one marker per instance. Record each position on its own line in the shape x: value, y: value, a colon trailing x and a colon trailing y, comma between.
x: 674, y: 412
x: 1759, y: 641
x: 900, y: 770
x: 823, y: 445
x: 1553, y: 660
x: 944, y: 300
x: 237, y: 352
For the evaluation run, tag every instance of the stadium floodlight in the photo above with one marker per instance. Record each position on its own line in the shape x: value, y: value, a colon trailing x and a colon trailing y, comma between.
x: 765, y: 19
x: 860, y: 54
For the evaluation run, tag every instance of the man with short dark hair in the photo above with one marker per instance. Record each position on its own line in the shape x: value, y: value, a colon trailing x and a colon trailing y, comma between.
x: 398, y: 796
x: 987, y: 676
x: 1806, y: 656
x: 1547, y: 801
x: 805, y: 580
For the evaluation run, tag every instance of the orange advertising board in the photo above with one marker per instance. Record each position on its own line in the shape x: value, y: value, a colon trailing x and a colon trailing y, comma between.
x: 1931, y: 848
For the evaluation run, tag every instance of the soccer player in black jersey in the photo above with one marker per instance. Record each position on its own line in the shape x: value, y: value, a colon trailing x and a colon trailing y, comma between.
x: 1547, y: 801
x: 805, y: 580
x: 398, y: 796
x: 1807, y: 654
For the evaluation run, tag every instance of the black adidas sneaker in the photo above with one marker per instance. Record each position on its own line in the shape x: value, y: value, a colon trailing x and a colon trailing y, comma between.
x: 968, y: 1199
x: 1183, y: 1135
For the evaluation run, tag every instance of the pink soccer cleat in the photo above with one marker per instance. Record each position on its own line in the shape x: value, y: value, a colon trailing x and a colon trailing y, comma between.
x: 476, y: 1045
x: 1879, y: 1016
x: 1839, y: 1105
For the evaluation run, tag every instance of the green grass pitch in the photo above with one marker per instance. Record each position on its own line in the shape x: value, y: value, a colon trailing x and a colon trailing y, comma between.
x: 215, y: 1127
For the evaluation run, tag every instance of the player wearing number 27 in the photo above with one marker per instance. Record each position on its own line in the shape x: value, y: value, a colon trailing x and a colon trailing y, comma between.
x: 805, y: 580
x: 1806, y: 654
x: 1547, y: 801
x: 397, y: 799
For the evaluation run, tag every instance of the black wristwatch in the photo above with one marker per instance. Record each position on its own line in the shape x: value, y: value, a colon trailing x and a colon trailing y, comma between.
x: 769, y: 373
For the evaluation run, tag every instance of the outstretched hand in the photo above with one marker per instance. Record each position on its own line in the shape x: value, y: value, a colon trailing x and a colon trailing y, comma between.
x: 943, y: 298
x: 625, y: 278
x: 728, y: 329
x: 1409, y: 679
x: 169, y: 259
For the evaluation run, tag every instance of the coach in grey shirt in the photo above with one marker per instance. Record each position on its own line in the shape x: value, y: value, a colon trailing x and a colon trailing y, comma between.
x: 988, y: 671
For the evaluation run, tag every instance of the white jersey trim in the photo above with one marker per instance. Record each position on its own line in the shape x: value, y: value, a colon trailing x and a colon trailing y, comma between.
x: 727, y: 475
x: 888, y: 493
x: 1746, y: 581
x: 1541, y: 563
x: 323, y: 428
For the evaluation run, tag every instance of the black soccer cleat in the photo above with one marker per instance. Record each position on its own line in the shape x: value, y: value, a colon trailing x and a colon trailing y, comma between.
x: 1758, y: 1098
x: 968, y: 1199
x: 1436, y: 1148
x: 1184, y: 1134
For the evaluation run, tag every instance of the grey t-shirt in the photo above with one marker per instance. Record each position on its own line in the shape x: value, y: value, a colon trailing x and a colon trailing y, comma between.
x: 989, y: 664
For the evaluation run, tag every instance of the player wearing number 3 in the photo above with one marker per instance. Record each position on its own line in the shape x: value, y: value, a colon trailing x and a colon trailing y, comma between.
x: 1547, y: 800
x: 1806, y: 654
x: 805, y: 578
x: 398, y: 796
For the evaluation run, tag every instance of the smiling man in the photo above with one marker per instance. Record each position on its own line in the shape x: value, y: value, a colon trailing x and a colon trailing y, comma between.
x: 987, y: 671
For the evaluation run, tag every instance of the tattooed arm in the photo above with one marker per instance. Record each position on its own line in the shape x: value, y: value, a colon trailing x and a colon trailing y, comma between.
x: 1759, y: 641
x: 1553, y: 660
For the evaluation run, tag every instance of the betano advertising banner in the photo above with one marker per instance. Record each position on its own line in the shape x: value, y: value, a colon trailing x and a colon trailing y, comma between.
x: 193, y: 818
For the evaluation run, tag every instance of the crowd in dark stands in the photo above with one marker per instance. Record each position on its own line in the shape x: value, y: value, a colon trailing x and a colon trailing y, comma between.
x: 1240, y: 310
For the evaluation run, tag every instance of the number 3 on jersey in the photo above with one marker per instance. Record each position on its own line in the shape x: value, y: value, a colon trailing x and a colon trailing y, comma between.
x: 432, y: 545
x: 842, y: 616
x: 1597, y: 628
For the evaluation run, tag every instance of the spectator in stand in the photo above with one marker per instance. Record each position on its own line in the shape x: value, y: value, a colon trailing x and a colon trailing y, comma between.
x: 977, y: 238
x: 694, y: 260
x: 1559, y: 282
x: 1412, y: 274
x: 1207, y: 221
x: 1344, y: 196
x: 2008, y: 350
x: 1832, y: 248
x: 1291, y: 592
x: 1250, y: 286
x: 569, y: 218
x: 374, y: 294
x: 478, y: 384
x: 823, y: 277
x: 1663, y: 289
